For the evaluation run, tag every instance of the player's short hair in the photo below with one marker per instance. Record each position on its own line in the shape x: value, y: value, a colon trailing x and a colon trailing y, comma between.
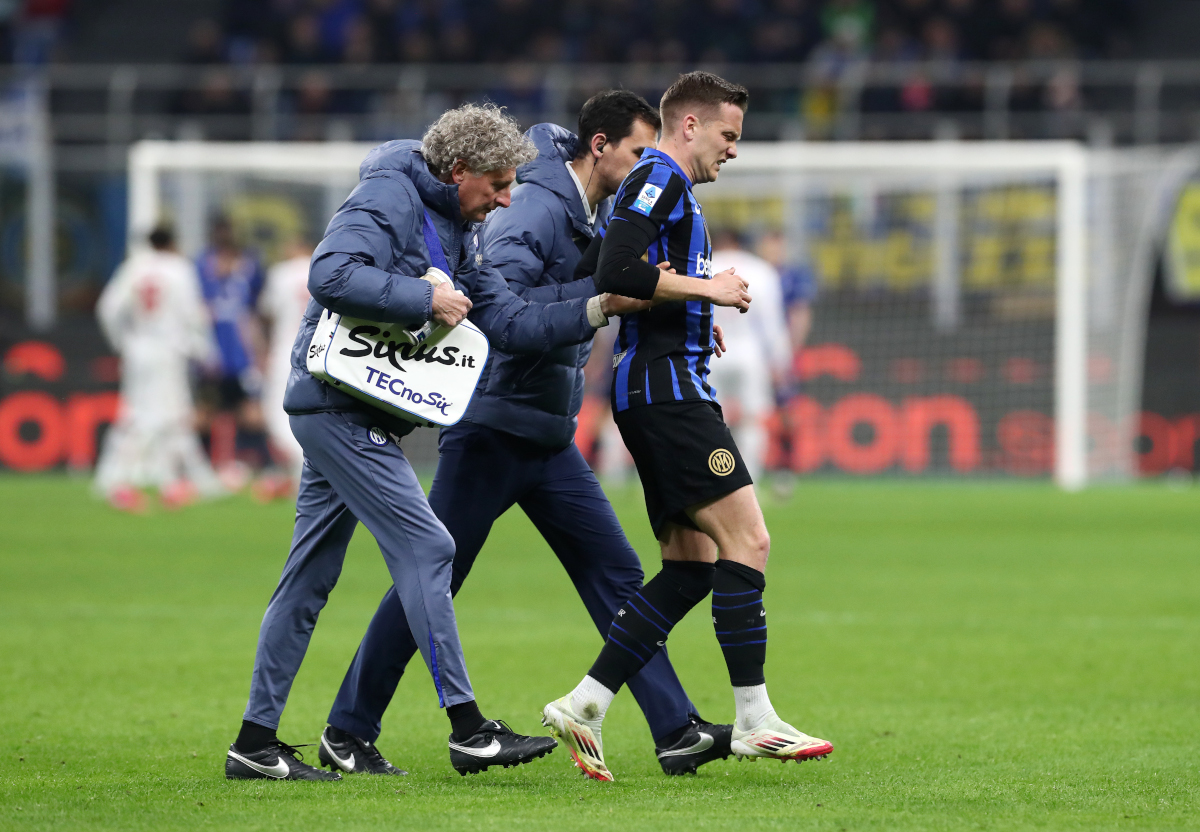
x: 482, y: 136
x: 162, y: 238
x: 613, y: 113
x: 700, y: 91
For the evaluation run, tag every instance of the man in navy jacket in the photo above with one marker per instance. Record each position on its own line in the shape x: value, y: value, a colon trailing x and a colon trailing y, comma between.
x: 515, y: 443
x: 374, y: 263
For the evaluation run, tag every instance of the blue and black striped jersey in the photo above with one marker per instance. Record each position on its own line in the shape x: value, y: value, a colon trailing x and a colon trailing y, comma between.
x: 661, y: 355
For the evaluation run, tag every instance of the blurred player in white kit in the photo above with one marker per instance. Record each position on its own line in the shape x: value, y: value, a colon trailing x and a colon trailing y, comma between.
x: 282, y: 302
x: 758, y: 350
x: 153, y: 314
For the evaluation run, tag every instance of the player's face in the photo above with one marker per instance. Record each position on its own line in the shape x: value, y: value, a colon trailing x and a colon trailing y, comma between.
x: 481, y: 193
x: 716, y: 142
x: 618, y: 158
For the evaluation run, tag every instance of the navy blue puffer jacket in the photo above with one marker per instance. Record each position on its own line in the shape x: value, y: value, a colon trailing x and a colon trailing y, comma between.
x: 369, y: 263
x: 535, y: 244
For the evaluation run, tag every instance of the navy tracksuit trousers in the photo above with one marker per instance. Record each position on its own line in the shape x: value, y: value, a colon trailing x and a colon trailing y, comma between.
x: 353, y: 471
x: 481, y: 473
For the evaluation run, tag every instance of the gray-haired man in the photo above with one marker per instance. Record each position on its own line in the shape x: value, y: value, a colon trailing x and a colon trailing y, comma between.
x: 370, y: 265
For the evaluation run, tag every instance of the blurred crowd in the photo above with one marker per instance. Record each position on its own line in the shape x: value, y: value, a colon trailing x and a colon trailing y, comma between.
x: 31, y: 29
x: 667, y: 31
x: 670, y: 31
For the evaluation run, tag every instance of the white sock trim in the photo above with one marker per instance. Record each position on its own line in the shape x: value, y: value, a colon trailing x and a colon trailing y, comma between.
x: 590, y: 699
x: 753, y: 706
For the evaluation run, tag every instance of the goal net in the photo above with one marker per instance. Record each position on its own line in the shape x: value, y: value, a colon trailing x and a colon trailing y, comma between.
x: 980, y: 310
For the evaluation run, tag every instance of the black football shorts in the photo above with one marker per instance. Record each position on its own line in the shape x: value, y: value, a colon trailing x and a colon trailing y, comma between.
x: 684, y: 454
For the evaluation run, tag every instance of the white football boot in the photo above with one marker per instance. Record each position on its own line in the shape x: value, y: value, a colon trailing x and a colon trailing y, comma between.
x: 775, y: 739
x: 580, y: 735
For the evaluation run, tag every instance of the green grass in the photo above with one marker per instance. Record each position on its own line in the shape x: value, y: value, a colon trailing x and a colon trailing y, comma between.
x: 982, y: 656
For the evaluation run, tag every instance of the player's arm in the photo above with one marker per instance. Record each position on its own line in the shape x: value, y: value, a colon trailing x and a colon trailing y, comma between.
x: 112, y: 309
x: 641, y: 215
x: 622, y: 270
x: 352, y: 270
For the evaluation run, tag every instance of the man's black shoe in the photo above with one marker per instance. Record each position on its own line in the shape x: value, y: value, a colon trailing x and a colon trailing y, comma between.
x: 278, y: 761
x: 354, y: 756
x: 495, y: 744
x: 702, y: 744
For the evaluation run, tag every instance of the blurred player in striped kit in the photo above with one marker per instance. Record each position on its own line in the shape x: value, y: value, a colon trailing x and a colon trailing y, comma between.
x: 154, y: 316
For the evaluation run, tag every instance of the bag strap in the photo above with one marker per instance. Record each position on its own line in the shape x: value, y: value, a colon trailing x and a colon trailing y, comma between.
x: 437, y: 256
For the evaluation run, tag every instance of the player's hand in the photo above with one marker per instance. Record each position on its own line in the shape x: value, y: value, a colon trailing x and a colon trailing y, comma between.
x: 728, y: 288
x: 665, y: 266
x: 719, y: 348
x: 611, y: 304
x: 450, y: 306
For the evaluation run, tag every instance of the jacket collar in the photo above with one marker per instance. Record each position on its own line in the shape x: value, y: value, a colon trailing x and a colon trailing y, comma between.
x: 404, y: 156
x: 556, y: 147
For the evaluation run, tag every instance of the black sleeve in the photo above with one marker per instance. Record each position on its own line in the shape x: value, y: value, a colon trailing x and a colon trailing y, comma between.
x: 621, y: 269
x: 591, y: 258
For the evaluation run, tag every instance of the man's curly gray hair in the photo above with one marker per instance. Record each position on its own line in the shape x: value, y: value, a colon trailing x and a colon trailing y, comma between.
x: 481, y: 136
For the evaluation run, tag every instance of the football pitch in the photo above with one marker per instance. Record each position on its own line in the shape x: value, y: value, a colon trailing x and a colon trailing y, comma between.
x: 983, y: 656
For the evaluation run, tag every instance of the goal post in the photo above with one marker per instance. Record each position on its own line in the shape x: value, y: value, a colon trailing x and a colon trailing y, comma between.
x: 1067, y: 162
x: 1045, y: 358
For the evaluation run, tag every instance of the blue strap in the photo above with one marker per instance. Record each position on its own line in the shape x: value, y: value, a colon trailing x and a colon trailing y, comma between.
x: 437, y: 256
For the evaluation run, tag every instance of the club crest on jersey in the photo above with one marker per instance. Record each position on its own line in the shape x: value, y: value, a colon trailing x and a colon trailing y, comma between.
x: 721, y: 462
x: 646, y: 199
x: 377, y: 437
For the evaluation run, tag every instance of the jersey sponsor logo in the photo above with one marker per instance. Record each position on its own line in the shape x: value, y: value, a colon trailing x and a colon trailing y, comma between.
x: 617, y: 359
x: 377, y: 437
x: 646, y: 199
x: 704, y: 266
x: 721, y: 462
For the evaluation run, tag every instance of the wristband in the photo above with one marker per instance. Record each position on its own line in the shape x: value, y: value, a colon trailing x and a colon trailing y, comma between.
x: 595, y: 314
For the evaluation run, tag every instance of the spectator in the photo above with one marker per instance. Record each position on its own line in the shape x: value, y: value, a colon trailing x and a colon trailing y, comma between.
x: 785, y: 33
x: 1010, y: 29
x: 727, y: 28
x: 205, y: 43
x: 848, y: 24
x: 910, y: 16
x: 39, y: 26
x: 360, y: 43
x: 303, y: 44
x: 971, y: 25
x: 217, y: 95
x: 381, y: 19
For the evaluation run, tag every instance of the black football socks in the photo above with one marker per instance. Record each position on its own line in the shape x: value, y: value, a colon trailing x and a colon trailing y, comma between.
x: 642, y: 625
x: 740, y: 621
x: 253, y: 737
x: 465, y: 720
